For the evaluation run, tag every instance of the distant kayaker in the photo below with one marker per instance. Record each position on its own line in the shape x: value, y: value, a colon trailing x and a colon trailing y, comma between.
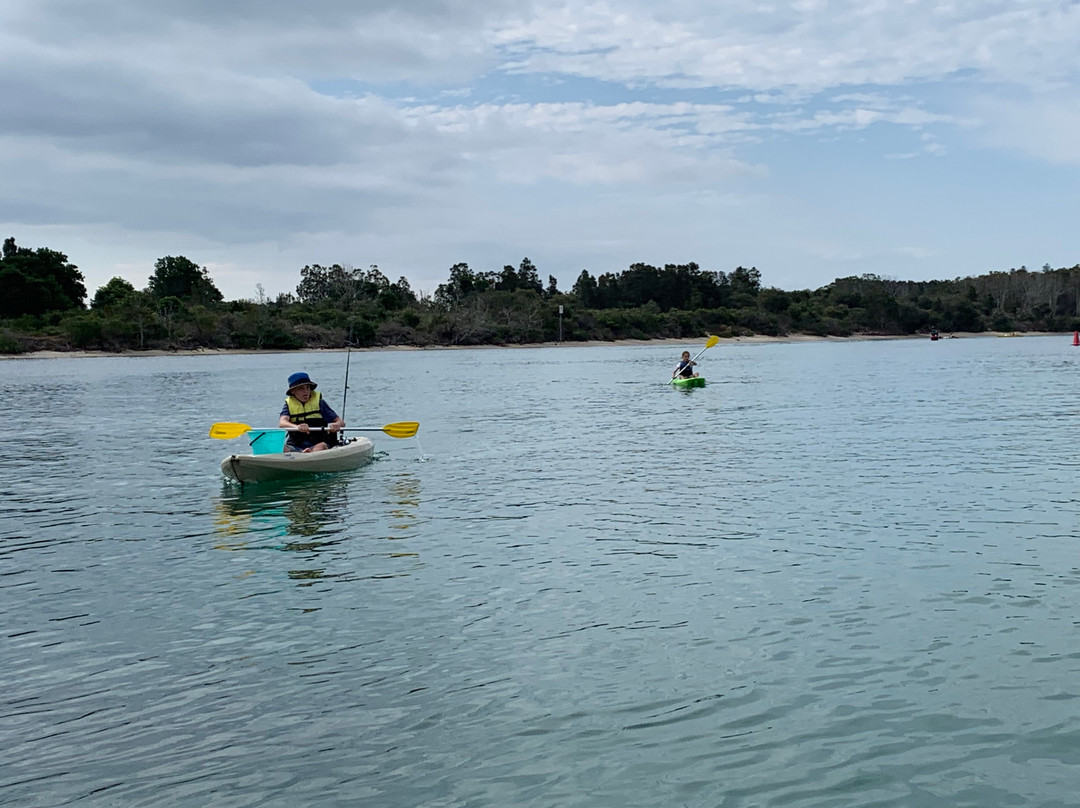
x: 306, y: 410
x: 685, y: 369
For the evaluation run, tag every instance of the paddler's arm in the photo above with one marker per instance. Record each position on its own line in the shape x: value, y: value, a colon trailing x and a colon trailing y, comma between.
x: 285, y: 423
x: 334, y: 422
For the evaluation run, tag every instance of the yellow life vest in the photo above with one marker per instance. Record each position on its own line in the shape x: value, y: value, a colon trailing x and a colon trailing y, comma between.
x: 309, y: 413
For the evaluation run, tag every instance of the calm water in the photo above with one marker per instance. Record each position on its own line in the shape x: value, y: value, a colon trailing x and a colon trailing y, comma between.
x: 839, y: 575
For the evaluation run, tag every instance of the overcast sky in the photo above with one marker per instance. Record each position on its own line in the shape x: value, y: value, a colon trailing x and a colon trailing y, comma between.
x: 812, y: 140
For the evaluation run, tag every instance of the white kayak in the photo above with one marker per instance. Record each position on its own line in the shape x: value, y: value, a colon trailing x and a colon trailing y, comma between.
x: 280, y: 466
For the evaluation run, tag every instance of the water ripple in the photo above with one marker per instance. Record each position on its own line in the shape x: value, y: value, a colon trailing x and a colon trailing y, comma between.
x: 840, y: 574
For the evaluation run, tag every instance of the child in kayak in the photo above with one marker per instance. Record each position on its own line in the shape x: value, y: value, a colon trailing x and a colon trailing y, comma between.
x: 306, y: 411
x: 685, y: 370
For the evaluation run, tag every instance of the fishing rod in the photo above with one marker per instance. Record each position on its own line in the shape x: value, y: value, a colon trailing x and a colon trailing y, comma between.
x: 348, y: 356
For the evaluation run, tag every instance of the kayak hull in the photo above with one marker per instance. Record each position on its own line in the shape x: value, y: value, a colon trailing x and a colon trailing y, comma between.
x: 264, y: 467
x: 694, y: 381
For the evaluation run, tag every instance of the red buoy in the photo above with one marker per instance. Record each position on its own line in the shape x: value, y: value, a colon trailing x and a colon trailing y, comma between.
x: 1076, y: 337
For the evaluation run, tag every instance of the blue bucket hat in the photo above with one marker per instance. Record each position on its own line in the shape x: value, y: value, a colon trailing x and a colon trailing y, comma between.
x: 297, y: 379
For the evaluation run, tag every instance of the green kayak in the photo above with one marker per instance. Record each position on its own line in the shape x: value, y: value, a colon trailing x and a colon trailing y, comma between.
x: 693, y: 381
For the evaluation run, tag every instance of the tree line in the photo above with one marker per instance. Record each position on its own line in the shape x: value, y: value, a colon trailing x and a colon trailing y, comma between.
x: 44, y: 306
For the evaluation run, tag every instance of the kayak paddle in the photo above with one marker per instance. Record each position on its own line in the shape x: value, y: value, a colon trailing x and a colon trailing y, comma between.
x: 711, y: 342
x: 227, y: 430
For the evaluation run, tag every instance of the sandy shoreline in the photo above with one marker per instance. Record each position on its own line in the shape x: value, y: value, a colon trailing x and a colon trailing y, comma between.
x: 689, y: 343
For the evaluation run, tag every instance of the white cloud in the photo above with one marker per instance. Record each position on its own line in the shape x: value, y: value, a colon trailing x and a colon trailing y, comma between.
x: 1044, y: 128
x: 259, y: 137
x: 586, y: 143
x: 810, y: 46
x: 916, y: 252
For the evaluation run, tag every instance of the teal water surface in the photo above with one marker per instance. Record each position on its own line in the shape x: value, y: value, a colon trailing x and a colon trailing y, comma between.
x: 842, y: 573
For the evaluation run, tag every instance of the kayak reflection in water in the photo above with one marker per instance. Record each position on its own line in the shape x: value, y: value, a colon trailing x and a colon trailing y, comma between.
x: 306, y: 410
x: 685, y: 369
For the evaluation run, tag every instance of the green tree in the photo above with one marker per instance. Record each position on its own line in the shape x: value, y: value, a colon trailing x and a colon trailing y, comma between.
x: 319, y: 283
x: 138, y: 311
x: 529, y: 277
x: 183, y: 279
x: 38, y: 281
x: 747, y: 281
x: 346, y: 288
x: 776, y: 301
x: 115, y: 291
x: 167, y: 310
x: 396, y: 296
x: 507, y: 280
x: 83, y: 329
x: 585, y: 289
x: 463, y: 284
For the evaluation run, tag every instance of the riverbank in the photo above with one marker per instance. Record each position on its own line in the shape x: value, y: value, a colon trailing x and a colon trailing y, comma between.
x: 756, y: 339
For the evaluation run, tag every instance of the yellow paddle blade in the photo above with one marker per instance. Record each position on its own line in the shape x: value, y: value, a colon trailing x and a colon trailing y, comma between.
x: 712, y: 341
x: 227, y: 430
x: 402, y: 429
